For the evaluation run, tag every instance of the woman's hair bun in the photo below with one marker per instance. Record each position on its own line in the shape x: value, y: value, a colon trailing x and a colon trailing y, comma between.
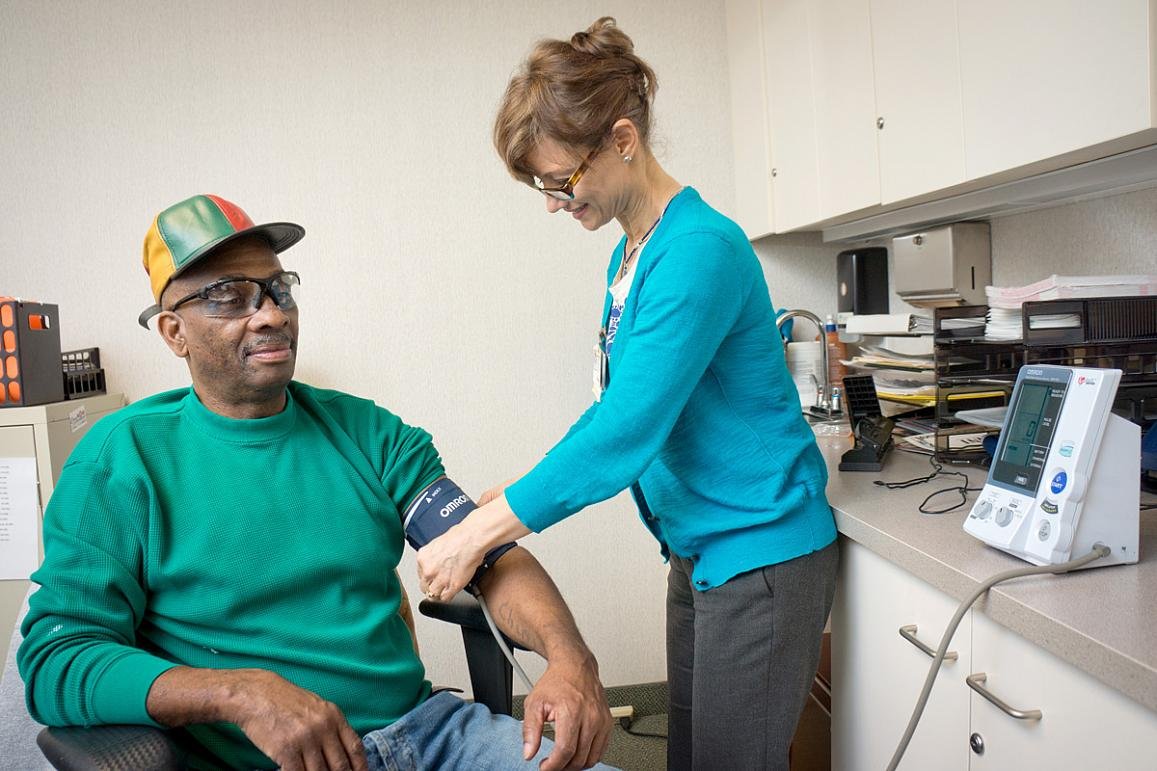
x: 603, y: 39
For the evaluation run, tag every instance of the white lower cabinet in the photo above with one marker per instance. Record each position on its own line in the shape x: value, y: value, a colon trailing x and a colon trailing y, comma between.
x: 877, y: 676
x: 1083, y: 723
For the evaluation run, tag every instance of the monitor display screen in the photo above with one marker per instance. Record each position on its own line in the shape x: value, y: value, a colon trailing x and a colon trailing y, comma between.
x: 1028, y: 434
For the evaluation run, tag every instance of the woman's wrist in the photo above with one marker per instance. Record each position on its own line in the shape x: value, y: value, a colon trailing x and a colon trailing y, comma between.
x: 496, y: 524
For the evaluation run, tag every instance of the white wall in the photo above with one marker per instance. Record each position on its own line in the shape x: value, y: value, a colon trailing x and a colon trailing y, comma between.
x: 433, y: 283
x: 1105, y: 236
x: 800, y: 270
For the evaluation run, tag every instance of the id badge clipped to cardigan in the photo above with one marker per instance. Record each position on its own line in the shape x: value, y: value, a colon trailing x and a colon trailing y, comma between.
x: 601, y: 372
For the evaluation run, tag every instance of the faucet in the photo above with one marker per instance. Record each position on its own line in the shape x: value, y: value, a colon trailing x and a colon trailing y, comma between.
x: 824, y: 401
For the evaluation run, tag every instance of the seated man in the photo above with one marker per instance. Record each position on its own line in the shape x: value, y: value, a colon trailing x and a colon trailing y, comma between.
x: 222, y: 557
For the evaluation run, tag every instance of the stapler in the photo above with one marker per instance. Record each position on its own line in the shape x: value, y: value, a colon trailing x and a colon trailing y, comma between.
x: 873, y: 431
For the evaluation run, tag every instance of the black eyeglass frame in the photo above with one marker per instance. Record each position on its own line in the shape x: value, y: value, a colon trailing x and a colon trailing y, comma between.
x: 285, y: 302
x: 566, y: 191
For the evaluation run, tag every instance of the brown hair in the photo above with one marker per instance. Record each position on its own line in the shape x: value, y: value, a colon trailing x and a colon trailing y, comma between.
x: 573, y: 92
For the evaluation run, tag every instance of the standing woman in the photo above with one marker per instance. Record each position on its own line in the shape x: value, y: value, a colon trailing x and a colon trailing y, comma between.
x: 694, y: 411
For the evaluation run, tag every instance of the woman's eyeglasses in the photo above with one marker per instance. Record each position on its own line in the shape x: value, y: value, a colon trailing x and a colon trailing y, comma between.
x: 566, y: 191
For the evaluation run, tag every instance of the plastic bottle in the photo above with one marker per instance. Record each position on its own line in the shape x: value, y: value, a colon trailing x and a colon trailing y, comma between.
x: 837, y: 352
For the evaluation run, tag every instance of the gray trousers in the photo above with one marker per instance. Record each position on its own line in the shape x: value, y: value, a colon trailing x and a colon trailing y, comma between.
x: 740, y: 661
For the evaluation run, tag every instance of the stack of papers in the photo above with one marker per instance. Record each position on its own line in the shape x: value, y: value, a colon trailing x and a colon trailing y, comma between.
x: 1004, y: 303
x: 908, y: 379
x: 1062, y: 287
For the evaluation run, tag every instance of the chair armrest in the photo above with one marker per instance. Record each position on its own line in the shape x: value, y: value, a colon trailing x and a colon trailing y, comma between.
x: 108, y: 748
x: 464, y: 611
x: 491, y: 676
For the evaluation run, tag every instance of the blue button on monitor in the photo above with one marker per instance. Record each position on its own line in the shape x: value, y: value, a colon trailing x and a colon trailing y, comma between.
x: 1060, y: 481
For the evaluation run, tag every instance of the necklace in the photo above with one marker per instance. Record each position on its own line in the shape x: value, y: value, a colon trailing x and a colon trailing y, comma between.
x: 627, y: 257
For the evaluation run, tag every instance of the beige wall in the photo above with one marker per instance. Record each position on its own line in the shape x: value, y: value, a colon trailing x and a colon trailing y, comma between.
x: 433, y: 283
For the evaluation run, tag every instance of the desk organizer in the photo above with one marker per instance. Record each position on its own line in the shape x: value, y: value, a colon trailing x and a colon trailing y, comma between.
x: 1107, y: 332
x: 29, y: 353
x: 83, y: 375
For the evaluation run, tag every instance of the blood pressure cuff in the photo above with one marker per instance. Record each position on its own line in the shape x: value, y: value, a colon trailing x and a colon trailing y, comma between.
x: 438, y: 508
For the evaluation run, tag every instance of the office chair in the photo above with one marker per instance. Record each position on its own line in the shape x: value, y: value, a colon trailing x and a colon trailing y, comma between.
x: 145, y: 748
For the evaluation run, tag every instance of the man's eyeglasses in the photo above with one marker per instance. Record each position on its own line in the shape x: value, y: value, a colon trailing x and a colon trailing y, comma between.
x: 566, y: 192
x: 237, y: 298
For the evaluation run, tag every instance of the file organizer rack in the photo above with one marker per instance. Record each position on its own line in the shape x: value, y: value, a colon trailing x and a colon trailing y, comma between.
x: 1106, y: 332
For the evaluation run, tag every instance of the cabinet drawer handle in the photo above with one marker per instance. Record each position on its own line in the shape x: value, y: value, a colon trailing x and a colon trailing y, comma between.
x: 976, y: 683
x: 909, y: 633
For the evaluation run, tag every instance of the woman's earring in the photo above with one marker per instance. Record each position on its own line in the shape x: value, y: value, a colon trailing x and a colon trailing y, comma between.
x: 626, y: 159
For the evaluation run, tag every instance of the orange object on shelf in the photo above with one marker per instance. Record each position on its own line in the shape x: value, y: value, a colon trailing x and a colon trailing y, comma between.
x: 30, y: 369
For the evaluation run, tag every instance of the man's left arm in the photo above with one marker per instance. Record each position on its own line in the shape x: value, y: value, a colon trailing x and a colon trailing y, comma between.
x: 527, y: 606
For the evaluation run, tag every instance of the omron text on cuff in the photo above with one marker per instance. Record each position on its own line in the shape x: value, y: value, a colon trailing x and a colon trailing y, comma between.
x: 438, y: 508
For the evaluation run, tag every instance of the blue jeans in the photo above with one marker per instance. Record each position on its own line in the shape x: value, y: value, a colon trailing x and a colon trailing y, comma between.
x: 445, y: 732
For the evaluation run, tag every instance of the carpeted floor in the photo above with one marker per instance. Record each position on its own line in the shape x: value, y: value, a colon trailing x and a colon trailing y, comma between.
x: 644, y: 746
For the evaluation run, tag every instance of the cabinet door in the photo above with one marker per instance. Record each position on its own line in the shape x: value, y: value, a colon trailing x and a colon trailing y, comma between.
x: 1045, y: 77
x: 791, y: 112
x: 849, y: 170
x: 15, y: 442
x: 877, y: 674
x: 1080, y: 717
x: 750, y: 133
x: 917, y: 96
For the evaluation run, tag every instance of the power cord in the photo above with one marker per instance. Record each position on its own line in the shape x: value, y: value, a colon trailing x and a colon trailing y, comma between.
x: 937, y: 470
x: 625, y: 724
x: 1099, y: 551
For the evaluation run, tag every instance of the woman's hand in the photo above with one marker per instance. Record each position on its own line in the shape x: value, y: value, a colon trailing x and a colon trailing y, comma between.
x: 446, y: 564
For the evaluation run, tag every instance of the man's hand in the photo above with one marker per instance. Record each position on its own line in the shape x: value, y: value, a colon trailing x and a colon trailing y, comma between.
x: 570, y: 694
x: 526, y: 606
x: 297, y: 729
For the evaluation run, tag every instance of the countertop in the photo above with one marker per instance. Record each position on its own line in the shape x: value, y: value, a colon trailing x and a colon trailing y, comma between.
x: 1101, y: 620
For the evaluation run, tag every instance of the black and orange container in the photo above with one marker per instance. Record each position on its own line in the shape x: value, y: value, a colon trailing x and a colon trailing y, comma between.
x: 30, y: 370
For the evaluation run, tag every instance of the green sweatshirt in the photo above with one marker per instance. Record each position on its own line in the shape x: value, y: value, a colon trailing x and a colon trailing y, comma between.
x: 178, y: 536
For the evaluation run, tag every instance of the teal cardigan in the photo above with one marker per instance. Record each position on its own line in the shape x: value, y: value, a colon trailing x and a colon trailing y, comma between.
x: 701, y: 419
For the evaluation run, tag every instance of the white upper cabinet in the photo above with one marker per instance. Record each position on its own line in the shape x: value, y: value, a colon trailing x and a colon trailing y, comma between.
x: 749, y: 127
x: 845, y: 105
x: 846, y: 109
x: 918, y: 99
x: 1045, y: 77
x: 791, y: 112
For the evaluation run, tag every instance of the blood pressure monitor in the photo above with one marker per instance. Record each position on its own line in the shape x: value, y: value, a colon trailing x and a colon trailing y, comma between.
x: 1066, y: 472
